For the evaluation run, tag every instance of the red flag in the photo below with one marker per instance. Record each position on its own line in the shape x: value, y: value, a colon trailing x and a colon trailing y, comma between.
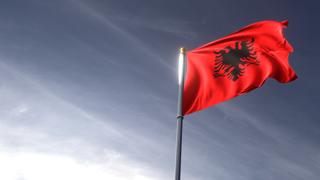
x: 236, y: 64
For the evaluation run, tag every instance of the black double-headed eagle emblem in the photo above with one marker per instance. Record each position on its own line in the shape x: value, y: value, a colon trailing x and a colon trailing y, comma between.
x: 231, y: 62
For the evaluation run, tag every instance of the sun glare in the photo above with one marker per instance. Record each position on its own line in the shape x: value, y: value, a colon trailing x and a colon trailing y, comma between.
x: 34, y: 166
x: 180, y: 67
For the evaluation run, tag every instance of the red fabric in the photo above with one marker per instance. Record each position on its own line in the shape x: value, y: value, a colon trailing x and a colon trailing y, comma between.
x: 204, y: 87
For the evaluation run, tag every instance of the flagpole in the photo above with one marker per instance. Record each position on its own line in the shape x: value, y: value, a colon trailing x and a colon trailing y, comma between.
x: 182, y: 70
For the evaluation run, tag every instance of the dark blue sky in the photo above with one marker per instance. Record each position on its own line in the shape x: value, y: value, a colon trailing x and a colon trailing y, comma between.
x: 88, y: 90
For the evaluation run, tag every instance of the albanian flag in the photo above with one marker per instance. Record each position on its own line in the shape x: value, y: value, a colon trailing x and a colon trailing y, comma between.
x: 236, y: 64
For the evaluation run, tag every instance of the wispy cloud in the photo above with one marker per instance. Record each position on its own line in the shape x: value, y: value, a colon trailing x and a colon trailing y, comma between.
x: 135, y: 41
x: 176, y: 27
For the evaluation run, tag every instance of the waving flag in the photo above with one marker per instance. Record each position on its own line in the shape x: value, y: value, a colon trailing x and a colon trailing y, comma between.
x: 236, y: 64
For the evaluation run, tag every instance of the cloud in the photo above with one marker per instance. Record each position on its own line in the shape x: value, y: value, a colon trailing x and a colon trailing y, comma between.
x: 130, y: 38
x: 39, y: 166
x: 45, y: 137
x: 171, y: 26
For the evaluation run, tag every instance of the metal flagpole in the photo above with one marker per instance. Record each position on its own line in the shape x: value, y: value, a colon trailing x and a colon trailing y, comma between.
x: 182, y: 70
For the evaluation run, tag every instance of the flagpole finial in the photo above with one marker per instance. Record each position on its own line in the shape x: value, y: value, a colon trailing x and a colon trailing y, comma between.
x: 182, y: 50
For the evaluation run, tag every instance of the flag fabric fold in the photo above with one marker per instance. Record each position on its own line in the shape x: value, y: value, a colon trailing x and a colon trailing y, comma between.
x: 236, y: 64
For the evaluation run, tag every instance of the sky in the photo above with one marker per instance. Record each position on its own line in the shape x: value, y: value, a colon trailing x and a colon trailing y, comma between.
x: 88, y: 90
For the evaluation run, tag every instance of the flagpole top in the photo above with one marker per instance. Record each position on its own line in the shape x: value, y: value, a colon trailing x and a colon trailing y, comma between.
x: 182, y: 50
